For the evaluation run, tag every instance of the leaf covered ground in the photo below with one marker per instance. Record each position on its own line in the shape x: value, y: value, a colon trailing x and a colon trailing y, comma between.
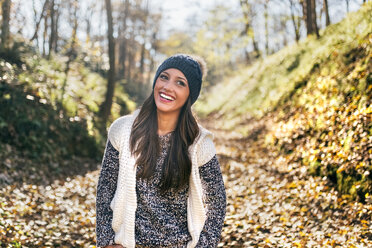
x: 274, y: 202
x: 270, y: 204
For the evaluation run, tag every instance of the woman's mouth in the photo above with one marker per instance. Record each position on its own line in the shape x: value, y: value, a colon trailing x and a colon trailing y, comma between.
x: 166, y: 97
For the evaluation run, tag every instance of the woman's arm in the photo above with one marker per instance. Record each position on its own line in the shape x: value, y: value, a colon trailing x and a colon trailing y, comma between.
x: 215, y: 199
x: 105, y: 193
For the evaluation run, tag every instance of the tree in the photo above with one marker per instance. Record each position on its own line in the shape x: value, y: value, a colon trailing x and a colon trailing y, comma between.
x: 88, y: 20
x: 248, y: 15
x: 295, y: 20
x: 325, y: 8
x: 106, y: 105
x: 5, y: 35
x: 37, y: 22
x: 309, y: 14
x: 71, y: 53
x: 266, y: 15
x: 122, y: 40
x: 54, y: 14
x: 144, y: 18
x: 45, y: 34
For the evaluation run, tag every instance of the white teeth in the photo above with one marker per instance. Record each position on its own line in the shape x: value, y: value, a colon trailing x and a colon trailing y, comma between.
x: 166, y: 97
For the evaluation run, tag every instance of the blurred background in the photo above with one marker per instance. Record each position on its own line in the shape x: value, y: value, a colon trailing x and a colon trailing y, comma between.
x: 288, y: 87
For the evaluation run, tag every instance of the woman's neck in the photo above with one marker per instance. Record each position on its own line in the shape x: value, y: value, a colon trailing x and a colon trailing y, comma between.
x: 167, y: 122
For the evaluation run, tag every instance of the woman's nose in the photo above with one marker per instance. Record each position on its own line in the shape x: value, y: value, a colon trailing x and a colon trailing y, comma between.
x: 167, y: 85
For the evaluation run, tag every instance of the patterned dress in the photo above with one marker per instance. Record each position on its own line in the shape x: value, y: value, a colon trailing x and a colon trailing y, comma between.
x: 161, y: 219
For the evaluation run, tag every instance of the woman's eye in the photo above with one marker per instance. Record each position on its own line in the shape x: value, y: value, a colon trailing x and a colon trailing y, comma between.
x: 163, y: 76
x: 182, y: 83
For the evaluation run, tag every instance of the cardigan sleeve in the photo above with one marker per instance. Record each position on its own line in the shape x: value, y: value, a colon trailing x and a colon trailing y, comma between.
x: 215, y: 199
x: 106, y: 188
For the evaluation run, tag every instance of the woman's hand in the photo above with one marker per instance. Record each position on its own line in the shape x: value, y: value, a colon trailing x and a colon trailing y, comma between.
x: 114, y: 246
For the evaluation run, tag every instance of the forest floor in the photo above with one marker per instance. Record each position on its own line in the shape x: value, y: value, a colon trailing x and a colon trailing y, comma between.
x: 275, y: 204
x: 270, y: 204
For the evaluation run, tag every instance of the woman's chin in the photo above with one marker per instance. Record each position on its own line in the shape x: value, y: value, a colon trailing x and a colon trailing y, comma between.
x: 166, y: 109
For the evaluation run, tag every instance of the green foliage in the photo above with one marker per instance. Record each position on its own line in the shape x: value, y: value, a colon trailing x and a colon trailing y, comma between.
x: 258, y: 88
x: 84, y: 90
x: 15, y: 52
x: 38, y: 130
x: 318, y: 93
x: 49, y: 115
x: 138, y: 91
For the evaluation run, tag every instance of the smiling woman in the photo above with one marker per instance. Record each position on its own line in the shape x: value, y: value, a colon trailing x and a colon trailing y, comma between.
x: 160, y: 184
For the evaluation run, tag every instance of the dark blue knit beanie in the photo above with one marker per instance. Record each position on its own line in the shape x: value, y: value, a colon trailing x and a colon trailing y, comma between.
x: 189, y: 67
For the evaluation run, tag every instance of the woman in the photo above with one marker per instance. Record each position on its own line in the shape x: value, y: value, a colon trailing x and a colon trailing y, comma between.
x: 160, y: 183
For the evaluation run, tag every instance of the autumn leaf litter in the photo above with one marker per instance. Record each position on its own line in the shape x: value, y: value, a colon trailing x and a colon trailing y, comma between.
x: 270, y: 204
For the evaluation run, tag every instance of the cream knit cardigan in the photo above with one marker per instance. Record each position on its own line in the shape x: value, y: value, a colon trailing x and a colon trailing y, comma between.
x: 124, y: 203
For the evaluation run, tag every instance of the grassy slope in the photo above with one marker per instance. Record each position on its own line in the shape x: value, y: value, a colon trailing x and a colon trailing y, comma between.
x: 318, y: 96
x: 256, y: 89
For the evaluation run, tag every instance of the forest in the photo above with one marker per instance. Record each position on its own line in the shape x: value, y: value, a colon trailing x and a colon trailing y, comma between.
x: 287, y: 97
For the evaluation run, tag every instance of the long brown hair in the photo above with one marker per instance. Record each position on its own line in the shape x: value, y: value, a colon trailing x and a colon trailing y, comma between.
x: 144, y: 143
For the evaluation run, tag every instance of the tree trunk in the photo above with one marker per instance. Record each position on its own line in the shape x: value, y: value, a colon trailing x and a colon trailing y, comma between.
x: 74, y: 28
x: 142, y: 62
x: 283, y: 23
x: 266, y: 26
x: 143, y: 46
x: 52, y: 28
x: 88, y: 28
x: 36, y: 21
x: 296, y: 25
x: 151, y: 68
x: 72, y: 51
x: 88, y: 21
x: 325, y: 7
x: 122, y: 58
x: 5, y: 35
x: 313, y: 14
x: 45, y: 34
x: 257, y: 52
x: 347, y: 5
x: 130, y: 59
x: 306, y: 7
x: 56, y: 36
x: 37, y: 24
x: 123, y: 42
x: 106, y: 106
x: 309, y: 7
x: 248, y: 29
x: 155, y: 48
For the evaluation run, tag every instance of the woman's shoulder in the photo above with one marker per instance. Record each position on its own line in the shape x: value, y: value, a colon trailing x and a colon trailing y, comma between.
x: 119, y: 126
x: 205, y: 146
x: 204, y: 135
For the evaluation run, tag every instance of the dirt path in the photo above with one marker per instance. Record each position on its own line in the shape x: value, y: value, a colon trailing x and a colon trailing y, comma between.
x: 273, y: 204
x: 270, y: 204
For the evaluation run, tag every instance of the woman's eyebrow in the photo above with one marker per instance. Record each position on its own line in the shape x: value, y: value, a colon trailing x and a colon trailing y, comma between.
x: 182, y: 78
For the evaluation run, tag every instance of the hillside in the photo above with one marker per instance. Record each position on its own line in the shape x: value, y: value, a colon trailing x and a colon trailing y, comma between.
x: 49, y: 125
x: 315, y: 100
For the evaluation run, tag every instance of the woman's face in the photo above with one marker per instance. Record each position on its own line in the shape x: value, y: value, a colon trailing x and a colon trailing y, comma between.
x: 171, y: 91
